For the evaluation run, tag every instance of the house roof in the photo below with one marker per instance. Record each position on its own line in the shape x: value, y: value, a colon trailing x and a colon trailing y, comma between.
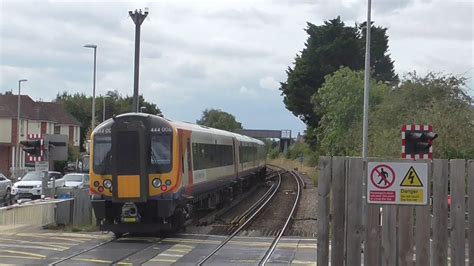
x: 29, y: 109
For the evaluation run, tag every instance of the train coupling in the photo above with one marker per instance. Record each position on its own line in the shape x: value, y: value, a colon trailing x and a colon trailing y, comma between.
x: 130, y: 213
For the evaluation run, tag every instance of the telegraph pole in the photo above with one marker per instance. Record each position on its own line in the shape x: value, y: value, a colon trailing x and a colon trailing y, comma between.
x: 365, y: 138
x: 138, y: 17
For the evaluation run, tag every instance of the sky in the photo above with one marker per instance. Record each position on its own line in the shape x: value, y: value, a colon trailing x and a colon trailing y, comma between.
x: 224, y: 54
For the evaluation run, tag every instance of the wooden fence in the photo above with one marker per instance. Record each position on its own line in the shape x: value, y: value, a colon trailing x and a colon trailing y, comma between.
x: 435, y: 234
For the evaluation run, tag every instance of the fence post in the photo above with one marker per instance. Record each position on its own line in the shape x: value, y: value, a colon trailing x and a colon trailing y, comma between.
x: 457, y: 176
x: 324, y: 185
x: 470, y: 182
x: 338, y: 196
x: 439, y: 252
x: 354, y: 211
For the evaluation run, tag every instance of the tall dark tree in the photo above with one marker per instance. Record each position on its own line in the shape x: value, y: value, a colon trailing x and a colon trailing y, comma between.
x: 219, y: 119
x: 328, y: 48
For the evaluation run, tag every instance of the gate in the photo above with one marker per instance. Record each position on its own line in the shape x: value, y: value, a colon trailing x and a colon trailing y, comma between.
x: 352, y: 232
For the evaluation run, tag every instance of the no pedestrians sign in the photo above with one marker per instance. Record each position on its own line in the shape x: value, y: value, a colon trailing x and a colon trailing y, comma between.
x: 397, y: 183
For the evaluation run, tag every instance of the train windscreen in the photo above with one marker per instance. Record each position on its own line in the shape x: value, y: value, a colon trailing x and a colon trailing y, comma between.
x: 102, y: 154
x: 160, y: 154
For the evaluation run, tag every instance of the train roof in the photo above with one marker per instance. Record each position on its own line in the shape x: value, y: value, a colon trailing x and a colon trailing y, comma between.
x: 205, y: 129
x: 182, y: 125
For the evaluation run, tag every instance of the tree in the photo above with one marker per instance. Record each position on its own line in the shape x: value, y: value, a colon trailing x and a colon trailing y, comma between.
x: 339, y: 102
x: 436, y: 99
x: 328, y: 48
x: 217, y: 118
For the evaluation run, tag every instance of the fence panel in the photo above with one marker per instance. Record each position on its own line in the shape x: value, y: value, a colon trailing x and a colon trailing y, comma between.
x: 405, y: 242
x: 355, y: 228
x: 457, y: 175
x: 389, y: 235
x: 82, y: 207
x: 439, y: 254
x: 324, y: 184
x: 338, y: 193
x: 372, y: 244
x: 423, y: 226
x: 470, y: 178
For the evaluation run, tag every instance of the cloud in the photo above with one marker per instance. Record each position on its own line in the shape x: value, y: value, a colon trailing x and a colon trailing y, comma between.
x: 246, y: 91
x: 269, y: 83
x: 203, y: 54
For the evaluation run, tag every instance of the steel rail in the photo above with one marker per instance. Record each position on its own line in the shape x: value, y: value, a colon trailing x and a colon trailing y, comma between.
x: 81, y: 252
x: 241, y: 217
x: 243, y: 225
x: 285, y: 226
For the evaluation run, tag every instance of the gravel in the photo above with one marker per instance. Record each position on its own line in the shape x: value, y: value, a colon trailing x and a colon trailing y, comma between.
x: 305, y: 222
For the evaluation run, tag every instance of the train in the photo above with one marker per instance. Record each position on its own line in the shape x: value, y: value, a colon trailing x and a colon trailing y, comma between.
x: 148, y: 174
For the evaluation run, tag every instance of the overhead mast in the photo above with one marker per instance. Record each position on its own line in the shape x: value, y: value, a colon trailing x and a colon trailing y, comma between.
x: 138, y: 17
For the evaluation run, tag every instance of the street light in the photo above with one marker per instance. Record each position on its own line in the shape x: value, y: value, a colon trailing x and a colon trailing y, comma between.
x: 93, y: 86
x: 18, y: 127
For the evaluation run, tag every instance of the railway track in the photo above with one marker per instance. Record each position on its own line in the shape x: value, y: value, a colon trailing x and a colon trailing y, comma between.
x: 246, y: 218
x: 134, y: 246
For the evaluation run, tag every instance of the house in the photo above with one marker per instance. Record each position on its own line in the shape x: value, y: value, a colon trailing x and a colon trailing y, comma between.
x: 35, y: 118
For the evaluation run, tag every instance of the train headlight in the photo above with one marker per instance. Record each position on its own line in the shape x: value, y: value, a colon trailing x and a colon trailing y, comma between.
x: 107, y: 183
x: 156, y: 182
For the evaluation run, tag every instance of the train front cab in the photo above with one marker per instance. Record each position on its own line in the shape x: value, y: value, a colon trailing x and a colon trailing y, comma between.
x: 135, y: 154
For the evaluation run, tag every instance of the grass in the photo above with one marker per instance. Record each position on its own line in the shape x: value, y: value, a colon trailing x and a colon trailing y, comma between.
x: 295, y: 164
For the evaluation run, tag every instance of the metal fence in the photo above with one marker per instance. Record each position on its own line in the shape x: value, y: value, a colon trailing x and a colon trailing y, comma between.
x: 75, y: 208
x: 435, y: 234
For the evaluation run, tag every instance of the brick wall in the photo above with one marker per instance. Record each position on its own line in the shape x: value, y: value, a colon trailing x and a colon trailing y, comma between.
x: 5, y: 159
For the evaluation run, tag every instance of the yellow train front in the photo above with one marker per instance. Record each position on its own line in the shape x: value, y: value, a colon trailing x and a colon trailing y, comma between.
x: 146, y: 177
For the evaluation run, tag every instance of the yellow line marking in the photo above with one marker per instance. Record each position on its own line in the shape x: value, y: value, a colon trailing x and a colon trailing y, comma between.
x: 51, y: 237
x: 170, y: 255
x: 244, y: 261
x: 95, y: 260
x: 162, y: 260
x: 303, y: 262
x: 124, y: 263
x: 19, y: 257
x: 23, y: 253
x: 48, y: 244
x: 179, y: 250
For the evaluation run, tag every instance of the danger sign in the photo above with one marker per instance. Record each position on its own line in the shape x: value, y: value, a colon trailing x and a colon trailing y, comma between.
x: 397, y: 183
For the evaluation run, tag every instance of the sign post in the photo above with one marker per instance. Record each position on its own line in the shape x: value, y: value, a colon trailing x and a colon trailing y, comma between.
x: 403, y: 183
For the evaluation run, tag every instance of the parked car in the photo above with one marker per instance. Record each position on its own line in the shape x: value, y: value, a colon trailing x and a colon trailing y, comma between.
x: 5, y: 186
x: 77, y: 180
x: 29, y: 185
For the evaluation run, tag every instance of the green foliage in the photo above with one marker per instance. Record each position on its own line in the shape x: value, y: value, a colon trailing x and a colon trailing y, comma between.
x: 80, y: 106
x: 435, y: 99
x: 328, y: 48
x: 216, y: 118
x: 339, y: 103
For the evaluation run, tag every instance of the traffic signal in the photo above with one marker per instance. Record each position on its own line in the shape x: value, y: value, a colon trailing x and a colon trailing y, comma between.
x: 32, y: 147
x: 417, y: 141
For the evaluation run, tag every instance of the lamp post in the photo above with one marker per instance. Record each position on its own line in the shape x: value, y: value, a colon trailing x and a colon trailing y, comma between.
x: 18, y: 128
x: 93, y: 85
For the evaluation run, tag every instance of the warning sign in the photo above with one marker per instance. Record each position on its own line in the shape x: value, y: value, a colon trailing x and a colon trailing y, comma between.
x: 411, y: 195
x: 411, y: 179
x: 397, y: 183
x: 382, y: 176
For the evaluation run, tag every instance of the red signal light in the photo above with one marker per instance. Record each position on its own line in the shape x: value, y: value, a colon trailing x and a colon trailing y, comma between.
x: 164, y: 188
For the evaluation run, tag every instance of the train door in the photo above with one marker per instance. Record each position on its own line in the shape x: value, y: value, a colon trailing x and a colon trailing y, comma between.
x: 236, y: 157
x: 129, y: 163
